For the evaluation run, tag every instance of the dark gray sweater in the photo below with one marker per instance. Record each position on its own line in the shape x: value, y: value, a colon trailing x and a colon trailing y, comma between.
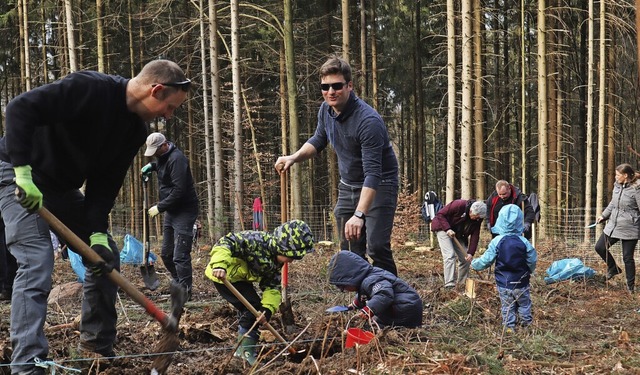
x: 361, y: 141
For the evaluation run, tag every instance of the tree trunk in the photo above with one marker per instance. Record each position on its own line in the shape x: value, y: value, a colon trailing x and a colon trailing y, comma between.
x: 71, y: 41
x: 363, y: 51
x: 422, y: 181
x: 589, y: 127
x: 294, y: 126
x: 238, y: 162
x: 205, y: 112
x: 100, y: 35
x: 451, y: 101
x: 478, y: 112
x: 542, y: 116
x: 217, y: 207
x: 345, y: 30
x: 374, y: 58
x: 466, y: 147
x: 27, y: 54
x: 602, y: 105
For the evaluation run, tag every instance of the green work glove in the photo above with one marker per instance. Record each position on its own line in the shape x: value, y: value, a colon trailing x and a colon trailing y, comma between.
x: 29, y: 195
x: 153, y: 211
x: 147, y: 170
x: 100, y: 244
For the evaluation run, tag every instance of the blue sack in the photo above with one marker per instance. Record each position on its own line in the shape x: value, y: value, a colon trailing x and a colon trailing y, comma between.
x: 132, y: 252
x: 76, y: 264
x: 565, y: 269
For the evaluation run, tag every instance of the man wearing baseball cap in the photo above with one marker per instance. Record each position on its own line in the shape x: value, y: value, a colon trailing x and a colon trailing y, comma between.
x: 179, y: 203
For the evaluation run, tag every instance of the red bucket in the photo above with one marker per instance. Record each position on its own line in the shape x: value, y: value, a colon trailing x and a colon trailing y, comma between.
x: 357, y: 336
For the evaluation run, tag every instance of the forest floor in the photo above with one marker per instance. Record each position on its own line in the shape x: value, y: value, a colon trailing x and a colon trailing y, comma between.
x: 587, y: 327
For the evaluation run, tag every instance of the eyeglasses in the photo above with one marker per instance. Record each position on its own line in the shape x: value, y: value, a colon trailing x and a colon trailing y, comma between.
x: 336, y: 86
x: 182, y: 85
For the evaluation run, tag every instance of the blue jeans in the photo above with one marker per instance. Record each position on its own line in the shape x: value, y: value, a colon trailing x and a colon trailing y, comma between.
x: 516, y: 305
x: 29, y: 241
x: 177, y: 240
x: 375, y: 240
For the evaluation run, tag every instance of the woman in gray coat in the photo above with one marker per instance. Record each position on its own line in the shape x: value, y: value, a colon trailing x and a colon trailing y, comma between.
x: 623, y: 215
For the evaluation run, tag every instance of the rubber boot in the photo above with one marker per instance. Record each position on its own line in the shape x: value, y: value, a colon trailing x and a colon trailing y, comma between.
x: 247, y: 349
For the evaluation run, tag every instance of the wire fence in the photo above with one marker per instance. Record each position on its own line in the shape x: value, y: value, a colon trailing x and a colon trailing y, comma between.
x: 568, y: 239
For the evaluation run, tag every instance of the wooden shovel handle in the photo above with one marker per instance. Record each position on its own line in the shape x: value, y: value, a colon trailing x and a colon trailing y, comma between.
x: 455, y: 240
x: 92, y: 257
x: 255, y: 312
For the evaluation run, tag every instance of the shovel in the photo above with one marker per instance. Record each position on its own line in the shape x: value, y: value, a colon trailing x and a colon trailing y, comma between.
x: 288, y: 319
x: 257, y: 314
x: 147, y: 270
x: 169, y: 342
x: 337, y: 309
x: 455, y: 240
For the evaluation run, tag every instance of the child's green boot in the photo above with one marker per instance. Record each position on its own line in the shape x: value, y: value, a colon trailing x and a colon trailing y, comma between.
x: 247, y: 349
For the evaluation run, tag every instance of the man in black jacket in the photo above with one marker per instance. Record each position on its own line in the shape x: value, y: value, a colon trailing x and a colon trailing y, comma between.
x: 83, y: 129
x: 179, y: 202
x: 505, y: 194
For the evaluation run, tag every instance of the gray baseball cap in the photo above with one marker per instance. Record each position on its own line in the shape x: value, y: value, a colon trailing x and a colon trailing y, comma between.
x: 154, y: 140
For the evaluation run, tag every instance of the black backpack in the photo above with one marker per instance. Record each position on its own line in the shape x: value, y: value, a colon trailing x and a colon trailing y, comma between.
x: 430, y: 206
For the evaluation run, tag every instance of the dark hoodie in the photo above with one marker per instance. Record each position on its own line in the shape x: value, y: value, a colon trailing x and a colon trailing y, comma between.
x: 391, y: 299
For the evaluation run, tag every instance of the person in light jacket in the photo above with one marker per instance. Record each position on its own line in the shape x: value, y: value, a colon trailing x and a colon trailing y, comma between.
x: 623, y: 217
x: 515, y: 260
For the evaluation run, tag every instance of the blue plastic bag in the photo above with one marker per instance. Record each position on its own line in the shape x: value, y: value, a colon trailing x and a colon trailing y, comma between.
x: 565, y: 269
x: 76, y: 264
x: 132, y: 252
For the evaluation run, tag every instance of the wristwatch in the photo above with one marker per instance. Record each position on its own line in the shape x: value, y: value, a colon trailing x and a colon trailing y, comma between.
x: 359, y: 215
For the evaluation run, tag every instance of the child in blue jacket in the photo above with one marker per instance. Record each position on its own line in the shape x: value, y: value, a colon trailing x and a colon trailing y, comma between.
x: 515, y: 260
x: 381, y: 295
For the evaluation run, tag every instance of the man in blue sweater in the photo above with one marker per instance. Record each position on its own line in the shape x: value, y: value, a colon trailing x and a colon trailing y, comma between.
x: 367, y: 164
x: 83, y: 129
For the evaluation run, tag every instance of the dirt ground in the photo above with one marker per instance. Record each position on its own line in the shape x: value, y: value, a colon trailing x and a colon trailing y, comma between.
x: 589, y: 327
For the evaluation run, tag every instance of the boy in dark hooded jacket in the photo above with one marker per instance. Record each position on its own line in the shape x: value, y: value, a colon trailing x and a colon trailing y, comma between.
x: 381, y: 295
x: 515, y: 260
x: 255, y: 256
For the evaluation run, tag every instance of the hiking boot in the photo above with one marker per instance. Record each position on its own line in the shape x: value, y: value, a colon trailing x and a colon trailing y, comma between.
x: 612, y: 272
x: 247, y: 349
x: 85, y: 347
x: 95, y: 361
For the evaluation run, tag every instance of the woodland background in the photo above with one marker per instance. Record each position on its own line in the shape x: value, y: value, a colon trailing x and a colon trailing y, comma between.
x: 541, y: 93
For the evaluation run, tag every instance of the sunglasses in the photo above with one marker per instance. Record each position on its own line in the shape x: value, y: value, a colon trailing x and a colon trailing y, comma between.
x: 336, y: 86
x: 183, y: 85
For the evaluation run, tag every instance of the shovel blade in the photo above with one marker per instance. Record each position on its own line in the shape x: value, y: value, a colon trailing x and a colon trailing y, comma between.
x: 337, y: 309
x: 150, y: 277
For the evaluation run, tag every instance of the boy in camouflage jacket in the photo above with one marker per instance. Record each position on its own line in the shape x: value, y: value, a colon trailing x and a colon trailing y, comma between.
x: 255, y: 256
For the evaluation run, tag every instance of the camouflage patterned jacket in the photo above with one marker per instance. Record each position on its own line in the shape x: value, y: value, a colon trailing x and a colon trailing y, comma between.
x: 249, y: 256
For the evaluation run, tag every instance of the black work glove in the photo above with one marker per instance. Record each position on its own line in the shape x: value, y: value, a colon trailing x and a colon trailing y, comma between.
x: 267, y: 313
x: 100, y: 244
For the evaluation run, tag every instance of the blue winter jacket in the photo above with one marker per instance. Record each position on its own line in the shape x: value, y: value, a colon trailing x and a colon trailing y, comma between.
x: 513, y: 254
x: 391, y: 299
